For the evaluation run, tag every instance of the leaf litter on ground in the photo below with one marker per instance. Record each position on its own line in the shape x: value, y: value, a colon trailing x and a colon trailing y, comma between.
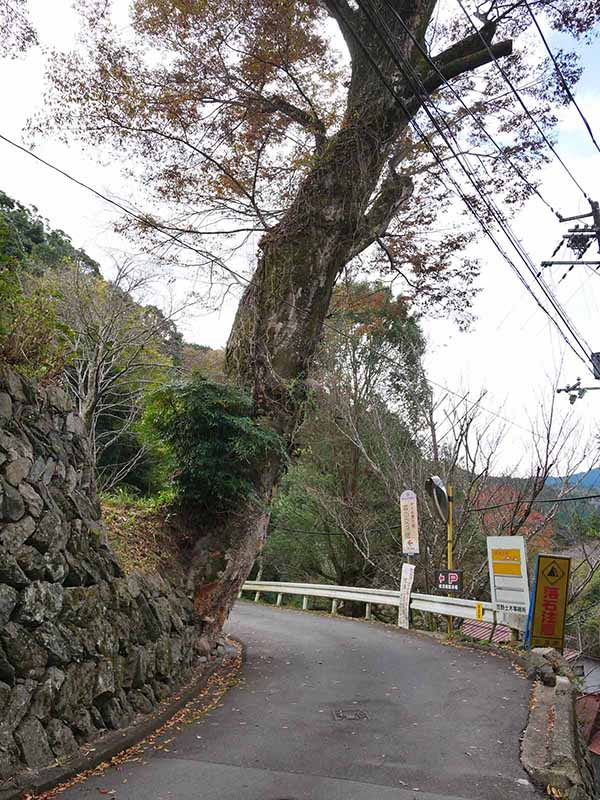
x: 220, y: 682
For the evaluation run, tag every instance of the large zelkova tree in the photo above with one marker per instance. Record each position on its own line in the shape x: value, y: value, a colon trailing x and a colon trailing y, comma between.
x: 275, y: 119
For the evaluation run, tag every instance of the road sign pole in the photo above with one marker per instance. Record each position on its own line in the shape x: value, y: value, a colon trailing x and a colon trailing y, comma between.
x: 410, y: 614
x: 450, y: 544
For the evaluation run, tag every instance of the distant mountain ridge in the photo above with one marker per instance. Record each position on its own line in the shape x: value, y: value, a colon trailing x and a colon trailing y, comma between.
x: 584, y: 480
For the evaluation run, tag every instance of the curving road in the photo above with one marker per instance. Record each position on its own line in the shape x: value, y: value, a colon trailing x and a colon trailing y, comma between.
x: 335, y: 709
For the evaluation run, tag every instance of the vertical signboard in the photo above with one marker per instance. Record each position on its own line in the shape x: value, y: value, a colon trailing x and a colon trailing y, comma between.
x: 508, y: 573
x: 406, y: 582
x: 546, y: 626
x: 409, y: 523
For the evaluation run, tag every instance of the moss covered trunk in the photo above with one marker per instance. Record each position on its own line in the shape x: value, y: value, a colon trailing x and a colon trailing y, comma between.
x: 344, y: 203
x: 278, y: 325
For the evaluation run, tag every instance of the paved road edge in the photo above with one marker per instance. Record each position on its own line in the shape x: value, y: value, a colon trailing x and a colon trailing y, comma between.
x: 106, y: 747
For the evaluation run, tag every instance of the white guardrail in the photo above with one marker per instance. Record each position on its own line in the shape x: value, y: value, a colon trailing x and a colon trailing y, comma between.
x: 435, y: 604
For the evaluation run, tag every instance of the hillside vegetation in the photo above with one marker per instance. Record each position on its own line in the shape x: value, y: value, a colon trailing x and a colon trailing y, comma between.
x: 178, y: 447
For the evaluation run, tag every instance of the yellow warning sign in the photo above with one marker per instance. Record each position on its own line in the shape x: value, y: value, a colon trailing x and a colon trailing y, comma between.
x: 550, y: 601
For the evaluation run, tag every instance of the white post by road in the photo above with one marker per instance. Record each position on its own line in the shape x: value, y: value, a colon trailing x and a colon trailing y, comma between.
x: 406, y: 582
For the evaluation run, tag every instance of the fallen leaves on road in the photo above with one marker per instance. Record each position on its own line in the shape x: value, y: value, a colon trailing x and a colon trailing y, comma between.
x: 223, y: 679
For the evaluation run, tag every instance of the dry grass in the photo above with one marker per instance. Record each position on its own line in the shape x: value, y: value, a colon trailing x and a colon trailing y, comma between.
x: 140, y: 535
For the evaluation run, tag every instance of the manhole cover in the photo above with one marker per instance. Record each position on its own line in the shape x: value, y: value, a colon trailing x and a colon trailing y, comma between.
x: 341, y: 714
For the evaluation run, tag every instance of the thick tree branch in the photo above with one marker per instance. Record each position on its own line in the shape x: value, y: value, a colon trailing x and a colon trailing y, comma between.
x: 468, y: 54
x: 452, y: 68
x: 470, y: 44
x: 303, y: 118
x: 395, y: 190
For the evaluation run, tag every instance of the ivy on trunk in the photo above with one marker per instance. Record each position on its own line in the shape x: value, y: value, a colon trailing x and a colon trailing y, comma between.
x: 254, y: 124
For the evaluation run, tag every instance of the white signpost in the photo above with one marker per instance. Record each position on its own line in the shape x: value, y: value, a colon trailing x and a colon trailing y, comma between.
x: 409, y: 523
x: 406, y: 582
x: 507, y: 562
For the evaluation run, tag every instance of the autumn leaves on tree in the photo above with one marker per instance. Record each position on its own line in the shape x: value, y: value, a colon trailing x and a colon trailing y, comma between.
x: 290, y: 121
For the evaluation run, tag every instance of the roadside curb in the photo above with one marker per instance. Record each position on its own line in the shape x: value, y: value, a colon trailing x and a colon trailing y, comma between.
x: 552, y: 749
x: 107, y: 746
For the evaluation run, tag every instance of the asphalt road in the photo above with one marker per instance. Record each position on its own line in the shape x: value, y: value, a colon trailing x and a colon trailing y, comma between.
x: 335, y: 709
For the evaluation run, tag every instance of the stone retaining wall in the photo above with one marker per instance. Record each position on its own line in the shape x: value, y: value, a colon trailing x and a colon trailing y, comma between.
x: 82, y: 647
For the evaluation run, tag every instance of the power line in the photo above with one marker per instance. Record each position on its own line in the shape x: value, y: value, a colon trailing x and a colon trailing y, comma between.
x: 545, y: 500
x: 520, y: 100
x: 497, y: 214
x: 489, y: 204
x: 515, y: 167
x: 505, y: 157
x: 531, y: 501
x: 561, y: 76
x: 180, y: 242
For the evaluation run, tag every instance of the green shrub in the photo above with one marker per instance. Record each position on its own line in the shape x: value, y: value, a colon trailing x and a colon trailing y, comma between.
x: 32, y: 339
x: 215, y: 445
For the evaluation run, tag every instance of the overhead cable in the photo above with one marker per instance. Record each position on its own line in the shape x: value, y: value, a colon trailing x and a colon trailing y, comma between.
x: 525, y: 501
x: 521, y: 102
x: 488, y: 202
x: 505, y: 157
x: 561, y: 76
x: 185, y: 245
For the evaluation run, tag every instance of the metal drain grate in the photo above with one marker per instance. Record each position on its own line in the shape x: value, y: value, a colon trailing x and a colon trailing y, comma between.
x: 341, y: 714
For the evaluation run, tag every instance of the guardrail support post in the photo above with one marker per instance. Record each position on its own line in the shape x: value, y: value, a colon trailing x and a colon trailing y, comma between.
x: 367, y: 610
x: 257, y: 597
x: 279, y: 599
x: 334, y: 605
x: 305, y: 603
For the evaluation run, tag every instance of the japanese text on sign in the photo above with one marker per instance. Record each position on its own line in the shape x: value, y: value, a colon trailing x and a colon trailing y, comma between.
x: 409, y: 522
x: 406, y: 582
x: 450, y: 580
x: 508, y: 573
x: 547, y: 628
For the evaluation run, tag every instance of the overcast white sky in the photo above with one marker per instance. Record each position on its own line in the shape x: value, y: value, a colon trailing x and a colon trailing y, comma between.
x: 511, y: 350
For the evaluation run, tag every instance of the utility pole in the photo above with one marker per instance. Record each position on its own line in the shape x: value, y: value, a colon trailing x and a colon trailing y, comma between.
x: 578, y: 239
x: 450, y: 541
x: 443, y: 502
x: 576, y: 391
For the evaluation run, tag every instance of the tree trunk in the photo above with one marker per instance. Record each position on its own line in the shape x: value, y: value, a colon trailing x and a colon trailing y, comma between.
x: 277, y: 329
x: 336, y: 214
